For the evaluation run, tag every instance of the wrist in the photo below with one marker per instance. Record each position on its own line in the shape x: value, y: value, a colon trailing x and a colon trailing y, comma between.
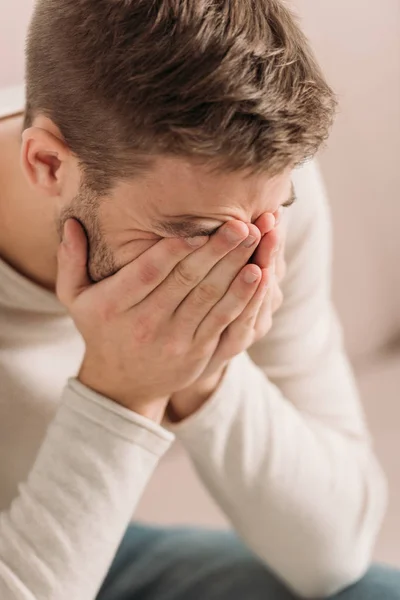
x: 152, y: 409
x: 154, y: 412
x: 188, y: 401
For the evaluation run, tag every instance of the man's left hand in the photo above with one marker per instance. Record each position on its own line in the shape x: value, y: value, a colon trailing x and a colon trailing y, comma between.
x: 253, y: 324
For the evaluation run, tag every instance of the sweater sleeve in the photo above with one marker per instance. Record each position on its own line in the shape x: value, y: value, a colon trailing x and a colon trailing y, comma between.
x: 61, y: 533
x: 283, y: 445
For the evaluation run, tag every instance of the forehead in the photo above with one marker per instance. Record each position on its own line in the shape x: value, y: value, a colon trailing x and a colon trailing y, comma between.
x: 176, y: 187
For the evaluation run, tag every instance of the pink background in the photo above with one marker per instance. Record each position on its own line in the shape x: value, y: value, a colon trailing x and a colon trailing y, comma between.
x: 358, y: 44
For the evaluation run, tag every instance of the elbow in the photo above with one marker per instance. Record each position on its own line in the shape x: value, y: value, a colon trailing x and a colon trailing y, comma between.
x: 331, y: 577
x: 344, y: 561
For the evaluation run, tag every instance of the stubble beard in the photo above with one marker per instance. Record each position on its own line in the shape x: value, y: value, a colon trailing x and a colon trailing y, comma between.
x: 85, y: 209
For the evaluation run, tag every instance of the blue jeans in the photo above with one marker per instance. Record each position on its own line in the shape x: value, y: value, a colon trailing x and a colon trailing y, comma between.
x: 192, y: 564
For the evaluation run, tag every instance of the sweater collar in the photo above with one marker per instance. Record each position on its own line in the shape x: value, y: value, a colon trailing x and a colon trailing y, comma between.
x: 20, y: 293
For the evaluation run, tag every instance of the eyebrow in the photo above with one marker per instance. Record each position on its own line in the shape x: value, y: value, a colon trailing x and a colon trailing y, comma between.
x: 187, y: 226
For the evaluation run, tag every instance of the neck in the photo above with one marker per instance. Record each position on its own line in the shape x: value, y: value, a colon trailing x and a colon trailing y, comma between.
x: 28, y: 235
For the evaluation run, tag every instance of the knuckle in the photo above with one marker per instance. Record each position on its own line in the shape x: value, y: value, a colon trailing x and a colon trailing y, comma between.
x: 144, y: 329
x: 241, y: 292
x: 205, y: 348
x: 160, y: 303
x: 184, y: 276
x: 221, y: 320
x: 174, y: 348
x: 208, y: 293
x: 106, y: 311
x: 149, y: 273
x: 248, y: 321
x: 177, y: 247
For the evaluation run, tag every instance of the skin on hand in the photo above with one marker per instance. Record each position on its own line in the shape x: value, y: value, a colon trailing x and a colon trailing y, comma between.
x: 188, y: 401
x: 246, y: 330
x: 151, y: 328
x: 136, y: 216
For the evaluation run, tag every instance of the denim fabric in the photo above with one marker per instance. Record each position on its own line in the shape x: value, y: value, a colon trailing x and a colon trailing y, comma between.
x: 193, y: 564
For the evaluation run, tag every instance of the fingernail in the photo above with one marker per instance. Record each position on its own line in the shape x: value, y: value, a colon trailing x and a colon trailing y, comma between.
x: 249, y: 242
x: 250, y: 277
x: 197, y: 242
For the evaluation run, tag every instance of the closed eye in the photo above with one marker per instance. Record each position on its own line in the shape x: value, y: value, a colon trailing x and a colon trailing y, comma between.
x: 292, y: 200
x: 188, y: 228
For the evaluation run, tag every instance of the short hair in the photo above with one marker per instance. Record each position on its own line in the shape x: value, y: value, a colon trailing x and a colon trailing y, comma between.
x: 230, y: 83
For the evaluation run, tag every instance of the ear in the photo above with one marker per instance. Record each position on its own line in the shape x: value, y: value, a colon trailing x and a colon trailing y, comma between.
x: 45, y: 159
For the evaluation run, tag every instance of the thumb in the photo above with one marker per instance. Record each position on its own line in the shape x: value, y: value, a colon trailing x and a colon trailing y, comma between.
x: 72, y: 277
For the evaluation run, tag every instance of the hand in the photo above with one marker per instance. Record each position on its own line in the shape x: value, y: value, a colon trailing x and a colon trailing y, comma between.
x: 271, y: 253
x: 151, y: 329
x: 254, y: 323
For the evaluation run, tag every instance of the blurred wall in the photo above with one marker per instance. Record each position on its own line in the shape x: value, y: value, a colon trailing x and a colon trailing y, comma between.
x: 14, y: 18
x: 358, y: 45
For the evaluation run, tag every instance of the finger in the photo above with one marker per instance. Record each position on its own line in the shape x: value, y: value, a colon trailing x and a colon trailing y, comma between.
x: 243, y: 327
x: 266, y: 249
x: 137, y: 280
x: 279, y: 215
x: 72, y: 275
x: 231, y: 306
x: 190, y: 272
x: 272, y: 302
x: 215, y: 285
x: 265, y: 223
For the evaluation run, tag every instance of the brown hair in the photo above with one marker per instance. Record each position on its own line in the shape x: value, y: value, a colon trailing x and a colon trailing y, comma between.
x: 229, y: 82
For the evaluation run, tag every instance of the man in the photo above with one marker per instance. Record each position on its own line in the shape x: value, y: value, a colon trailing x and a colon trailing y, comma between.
x: 161, y: 147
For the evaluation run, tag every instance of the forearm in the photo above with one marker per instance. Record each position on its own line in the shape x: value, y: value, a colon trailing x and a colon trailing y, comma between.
x: 308, y: 499
x: 60, y: 535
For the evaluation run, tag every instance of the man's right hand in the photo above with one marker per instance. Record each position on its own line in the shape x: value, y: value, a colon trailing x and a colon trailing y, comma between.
x: 151, y: 329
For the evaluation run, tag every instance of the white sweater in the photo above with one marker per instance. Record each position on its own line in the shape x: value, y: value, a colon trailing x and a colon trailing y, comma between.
x: 282, y: 446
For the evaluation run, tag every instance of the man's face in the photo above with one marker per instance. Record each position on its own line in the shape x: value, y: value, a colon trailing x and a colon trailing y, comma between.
x: 177, y: 198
